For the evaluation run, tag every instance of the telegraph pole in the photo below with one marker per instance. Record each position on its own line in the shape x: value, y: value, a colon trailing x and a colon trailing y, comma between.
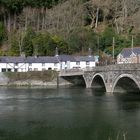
x: 132, y: 44
x: 98, y: 44
x: 113, y: 45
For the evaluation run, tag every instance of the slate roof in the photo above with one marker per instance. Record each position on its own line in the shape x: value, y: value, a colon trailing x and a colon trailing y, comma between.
x: 126, y: 52
x: 10, y: 59
x: 42, y: 59
x: 84, y: 58
x: 66, y: 58
x: 45, y: 59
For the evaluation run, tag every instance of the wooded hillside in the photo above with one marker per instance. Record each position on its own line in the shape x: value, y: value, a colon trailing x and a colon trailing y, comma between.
x: 37, y: 27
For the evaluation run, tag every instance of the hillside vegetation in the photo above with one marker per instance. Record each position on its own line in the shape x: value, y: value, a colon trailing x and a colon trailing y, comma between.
x: 37, y: 27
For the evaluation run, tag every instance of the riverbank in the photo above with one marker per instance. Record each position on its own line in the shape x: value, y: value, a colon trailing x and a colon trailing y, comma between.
x: 35, y: 78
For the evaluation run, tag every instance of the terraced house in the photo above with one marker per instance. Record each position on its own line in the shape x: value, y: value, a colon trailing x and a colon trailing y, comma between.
x: 41, y: 63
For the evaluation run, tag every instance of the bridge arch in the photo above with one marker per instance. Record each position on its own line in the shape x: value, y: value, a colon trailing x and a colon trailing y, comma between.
x: 129, y: 78
x: 101, y: 81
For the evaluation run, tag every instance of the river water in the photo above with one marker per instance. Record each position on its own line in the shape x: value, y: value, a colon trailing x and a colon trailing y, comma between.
x: 68, y: 114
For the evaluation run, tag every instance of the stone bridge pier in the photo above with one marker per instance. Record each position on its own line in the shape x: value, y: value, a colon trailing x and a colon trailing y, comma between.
x: 89, y: 78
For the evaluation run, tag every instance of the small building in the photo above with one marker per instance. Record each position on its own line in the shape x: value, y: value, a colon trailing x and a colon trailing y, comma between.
x: 129, y: 55
x: 42, y: 63
x: 76, y: 62
x: 66, y: 61
x: 85, y: 62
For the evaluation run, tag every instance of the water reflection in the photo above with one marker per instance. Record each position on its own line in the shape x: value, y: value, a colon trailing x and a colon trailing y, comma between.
x: 67, y: 113
x: 128, y: 102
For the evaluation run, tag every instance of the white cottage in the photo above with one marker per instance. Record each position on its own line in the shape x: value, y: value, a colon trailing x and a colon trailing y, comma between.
x: 42, y: 63
x: 59, y: 62
x: 76, y: 62
x: 24, y: 64
x: 85, y: 62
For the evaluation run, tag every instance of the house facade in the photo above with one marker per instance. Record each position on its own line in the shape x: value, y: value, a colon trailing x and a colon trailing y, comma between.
x: 24, y: 64
x: 85, y: 62
x: 129, y: 55
x: 59, y: 62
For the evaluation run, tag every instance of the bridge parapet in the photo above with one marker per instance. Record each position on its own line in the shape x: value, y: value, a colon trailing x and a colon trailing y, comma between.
x: 124, y: 67
x: 117, y: 67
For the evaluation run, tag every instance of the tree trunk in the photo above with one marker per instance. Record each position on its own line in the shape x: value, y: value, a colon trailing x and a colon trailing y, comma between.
x: 26, y: 19
x: 9, y: 22
x: 15, y: 19
x: 97, y: 17
x: 38, y: 20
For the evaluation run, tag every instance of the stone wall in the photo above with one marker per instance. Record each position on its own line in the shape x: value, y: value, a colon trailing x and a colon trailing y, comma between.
x: 44, y: 79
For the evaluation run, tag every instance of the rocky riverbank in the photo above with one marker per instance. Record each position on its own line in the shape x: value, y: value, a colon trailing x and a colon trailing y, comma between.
x: 41, y: 79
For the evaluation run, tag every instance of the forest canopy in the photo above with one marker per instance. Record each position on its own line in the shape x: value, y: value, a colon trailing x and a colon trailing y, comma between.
x: 37, y: 27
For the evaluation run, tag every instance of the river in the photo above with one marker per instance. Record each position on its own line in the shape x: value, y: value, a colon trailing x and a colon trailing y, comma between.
x: 68, y: 114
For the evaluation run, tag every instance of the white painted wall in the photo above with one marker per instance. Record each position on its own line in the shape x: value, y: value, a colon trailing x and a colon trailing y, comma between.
x: 24, y: 67
x: 43, y: 66
x: 82, y: 65
x: 21, y: 67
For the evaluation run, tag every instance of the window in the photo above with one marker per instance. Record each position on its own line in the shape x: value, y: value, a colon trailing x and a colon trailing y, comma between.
x: 78, y: 63
x: 15, y: 70
x: 43, y: 64
x: 87, y: 63
x: 30, y: 64
x: 3, y: 70
x: 9, y: 70
x: 49, y: 68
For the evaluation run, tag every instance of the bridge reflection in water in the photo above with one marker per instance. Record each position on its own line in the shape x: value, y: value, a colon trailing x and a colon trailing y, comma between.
x: 111, y: 78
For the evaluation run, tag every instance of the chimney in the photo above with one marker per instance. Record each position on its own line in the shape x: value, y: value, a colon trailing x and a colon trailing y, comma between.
x: 89, y: 52
x: 56, y: 51
x: 22, y: 54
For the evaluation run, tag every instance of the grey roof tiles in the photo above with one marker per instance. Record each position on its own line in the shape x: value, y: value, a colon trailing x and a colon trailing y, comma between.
x: 126, y: 52
x: 45, y: 59
x: 84, y: 58
x: 66, y: 58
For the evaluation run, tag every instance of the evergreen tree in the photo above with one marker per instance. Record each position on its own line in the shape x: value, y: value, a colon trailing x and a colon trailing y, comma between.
x: 27, y: 46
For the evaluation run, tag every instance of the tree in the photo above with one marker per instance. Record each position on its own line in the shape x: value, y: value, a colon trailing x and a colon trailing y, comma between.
x: 15, y: 49
x: 61, y: 45
x: 43, y: 44
x: 106, y: 38
x: 2, y: 33
x: 27, y: 45
x: 81, y: 39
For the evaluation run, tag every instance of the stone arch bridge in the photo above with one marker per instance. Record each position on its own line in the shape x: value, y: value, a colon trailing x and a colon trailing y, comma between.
x: 114, y: 78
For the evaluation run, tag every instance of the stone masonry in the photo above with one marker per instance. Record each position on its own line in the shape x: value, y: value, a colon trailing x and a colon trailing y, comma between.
x: 110, y: 74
